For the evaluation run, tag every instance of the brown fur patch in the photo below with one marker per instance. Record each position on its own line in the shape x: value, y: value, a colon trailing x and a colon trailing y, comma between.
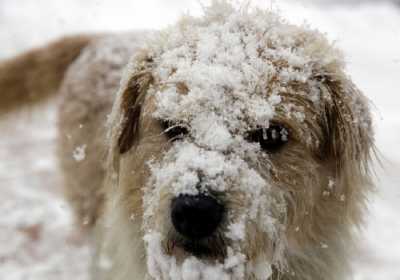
x: 37, y: 74
x: 132, y: 101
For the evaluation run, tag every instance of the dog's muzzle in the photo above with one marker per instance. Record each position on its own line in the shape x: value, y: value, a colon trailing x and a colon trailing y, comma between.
x: 196, y: 216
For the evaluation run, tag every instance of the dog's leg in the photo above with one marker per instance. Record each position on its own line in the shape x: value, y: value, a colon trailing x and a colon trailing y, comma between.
x: 35, y: 75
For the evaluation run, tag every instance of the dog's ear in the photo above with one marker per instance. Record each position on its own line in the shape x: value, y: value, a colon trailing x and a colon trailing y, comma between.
x: 131, y: 103
x: 348, y: 125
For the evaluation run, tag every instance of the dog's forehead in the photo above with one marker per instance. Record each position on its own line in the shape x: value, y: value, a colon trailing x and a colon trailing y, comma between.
x: 247, y: 109
x: 242, y: 70
x: 239, y: 72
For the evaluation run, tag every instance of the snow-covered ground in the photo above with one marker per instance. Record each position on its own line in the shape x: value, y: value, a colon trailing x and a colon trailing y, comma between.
x: 37, y: 240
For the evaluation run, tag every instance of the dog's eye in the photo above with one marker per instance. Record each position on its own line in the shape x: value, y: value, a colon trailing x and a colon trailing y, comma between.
x: 271, y: 139
x: 173, y: 130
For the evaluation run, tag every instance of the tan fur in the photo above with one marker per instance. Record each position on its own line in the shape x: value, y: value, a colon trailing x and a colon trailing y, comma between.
x: 108, y: 191
x: 33, y: 76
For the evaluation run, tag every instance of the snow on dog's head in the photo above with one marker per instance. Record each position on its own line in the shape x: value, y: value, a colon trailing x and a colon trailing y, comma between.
x: 233, y: 137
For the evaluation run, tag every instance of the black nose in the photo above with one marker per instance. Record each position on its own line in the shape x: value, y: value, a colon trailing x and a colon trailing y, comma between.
x: 196, y: 216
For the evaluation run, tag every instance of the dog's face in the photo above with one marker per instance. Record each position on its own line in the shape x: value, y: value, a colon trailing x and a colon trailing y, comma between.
x: 232, y: 166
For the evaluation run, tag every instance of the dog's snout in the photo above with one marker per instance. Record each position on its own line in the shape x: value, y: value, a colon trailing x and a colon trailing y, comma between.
x: 196, y: 216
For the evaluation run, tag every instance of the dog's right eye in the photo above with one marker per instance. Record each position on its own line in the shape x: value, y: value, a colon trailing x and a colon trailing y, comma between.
x: 174, y: 131
x: 271, y: 139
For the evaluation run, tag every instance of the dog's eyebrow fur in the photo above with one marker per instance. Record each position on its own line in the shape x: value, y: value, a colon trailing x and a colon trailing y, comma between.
x: 132, y: 100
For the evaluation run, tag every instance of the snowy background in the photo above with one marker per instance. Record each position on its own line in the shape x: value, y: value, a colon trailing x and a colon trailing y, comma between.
x: 37, y: 240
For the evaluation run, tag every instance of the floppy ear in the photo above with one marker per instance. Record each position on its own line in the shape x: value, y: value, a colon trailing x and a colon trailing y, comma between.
x: 123, y: 121
x: 130, y: 106
x: 348, y: 126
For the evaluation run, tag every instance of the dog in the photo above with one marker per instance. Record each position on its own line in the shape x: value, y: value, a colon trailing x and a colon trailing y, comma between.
x: 231, y: 146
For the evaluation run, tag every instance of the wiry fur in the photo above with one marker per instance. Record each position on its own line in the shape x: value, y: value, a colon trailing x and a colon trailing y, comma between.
x: 108, y: 190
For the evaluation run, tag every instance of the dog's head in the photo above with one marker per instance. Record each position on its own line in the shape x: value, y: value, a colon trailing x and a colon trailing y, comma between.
x: 241, y: 148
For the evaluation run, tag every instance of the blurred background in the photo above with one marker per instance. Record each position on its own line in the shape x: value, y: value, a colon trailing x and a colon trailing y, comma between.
x: 37, y: 240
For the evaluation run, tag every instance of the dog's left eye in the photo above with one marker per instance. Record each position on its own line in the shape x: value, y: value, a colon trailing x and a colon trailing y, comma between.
x: 271, y: 139
x: 173, y: 130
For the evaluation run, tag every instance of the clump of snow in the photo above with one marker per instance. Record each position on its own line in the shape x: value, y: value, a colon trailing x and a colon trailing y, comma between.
x: 331, y: 183
x: 236, y: 231
x: 161, y: 266
x: 179, y: 169
x: 79, y: 154
x: 210, y: 132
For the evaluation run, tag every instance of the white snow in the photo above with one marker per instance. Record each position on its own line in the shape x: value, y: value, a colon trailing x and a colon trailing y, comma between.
x: 79, y: 153
x: 36, y: 231
x: 236, y: 231
x: 165, y: 267
x: 37, y: 238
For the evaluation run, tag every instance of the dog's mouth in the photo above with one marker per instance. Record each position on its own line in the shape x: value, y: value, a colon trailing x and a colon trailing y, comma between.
x: 211, y: 248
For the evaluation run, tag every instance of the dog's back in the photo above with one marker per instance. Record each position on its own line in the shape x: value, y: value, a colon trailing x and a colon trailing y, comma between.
x: 87, y: 95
